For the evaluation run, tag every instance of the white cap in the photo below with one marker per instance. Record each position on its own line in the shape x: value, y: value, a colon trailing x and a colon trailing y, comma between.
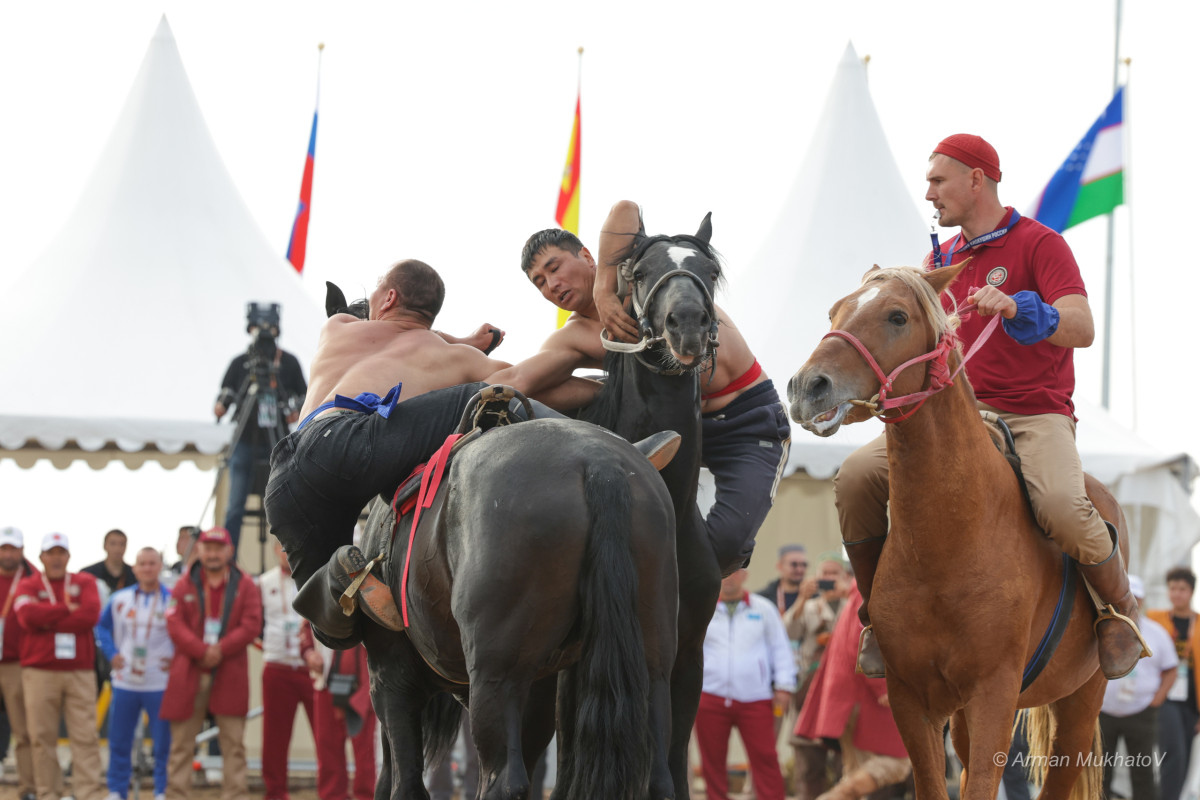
x: 1136, y: 588
x: 11, y: 535
x: 53, y: 540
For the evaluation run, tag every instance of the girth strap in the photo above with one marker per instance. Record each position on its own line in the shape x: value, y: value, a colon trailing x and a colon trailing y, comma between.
x: 1058, y: 626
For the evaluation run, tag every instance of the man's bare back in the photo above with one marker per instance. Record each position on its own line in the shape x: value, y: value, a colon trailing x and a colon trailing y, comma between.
x: 355, y: 356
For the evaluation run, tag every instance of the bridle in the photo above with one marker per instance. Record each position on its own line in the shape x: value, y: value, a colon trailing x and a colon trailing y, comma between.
x: 938, y: 370
x: 641, y: 308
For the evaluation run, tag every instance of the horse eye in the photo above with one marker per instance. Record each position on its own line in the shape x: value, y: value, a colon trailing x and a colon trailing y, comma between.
x: 638, y: 277
x: 898, y: 318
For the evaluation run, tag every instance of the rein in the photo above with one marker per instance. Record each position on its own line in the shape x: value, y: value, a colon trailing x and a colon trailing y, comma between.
x: 938, y: 370
x: 648, y: 338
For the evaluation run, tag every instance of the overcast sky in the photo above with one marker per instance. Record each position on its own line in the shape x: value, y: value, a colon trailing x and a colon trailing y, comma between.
x: 444, y: 129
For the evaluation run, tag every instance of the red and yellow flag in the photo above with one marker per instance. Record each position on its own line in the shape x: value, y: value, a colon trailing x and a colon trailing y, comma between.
x: 567, y: 214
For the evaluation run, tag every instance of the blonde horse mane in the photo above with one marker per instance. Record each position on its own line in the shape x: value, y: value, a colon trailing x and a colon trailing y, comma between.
x: 928, y: 299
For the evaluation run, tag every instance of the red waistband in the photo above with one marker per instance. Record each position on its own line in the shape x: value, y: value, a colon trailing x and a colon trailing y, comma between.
x: 748, y: 377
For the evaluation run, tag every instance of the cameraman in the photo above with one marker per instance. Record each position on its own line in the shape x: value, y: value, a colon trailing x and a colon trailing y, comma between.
x: 263, y: 372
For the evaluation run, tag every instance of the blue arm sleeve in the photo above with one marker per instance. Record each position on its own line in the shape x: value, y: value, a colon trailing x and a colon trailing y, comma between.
x: 1035, y: 320
x: 104, y: 633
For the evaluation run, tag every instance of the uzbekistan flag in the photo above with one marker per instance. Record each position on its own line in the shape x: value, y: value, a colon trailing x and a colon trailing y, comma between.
x: 1091, y: 182
x: 567, y: 214
x: 296, y: 245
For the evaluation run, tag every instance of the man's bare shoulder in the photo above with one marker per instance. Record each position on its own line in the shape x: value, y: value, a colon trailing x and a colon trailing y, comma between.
x: 580, y: 334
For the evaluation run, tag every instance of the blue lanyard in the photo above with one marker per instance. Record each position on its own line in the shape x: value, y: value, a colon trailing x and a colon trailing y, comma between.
x: 948, y: 259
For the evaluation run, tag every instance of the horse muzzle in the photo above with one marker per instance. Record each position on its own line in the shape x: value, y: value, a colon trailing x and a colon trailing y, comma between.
x: 816, y: 403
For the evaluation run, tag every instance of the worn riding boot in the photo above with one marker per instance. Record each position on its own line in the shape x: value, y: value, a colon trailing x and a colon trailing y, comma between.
x: 864, y: 557
x: 351, y: 570
x: 317, y: 602
x: 1121, y: 643
x: 659, y: 448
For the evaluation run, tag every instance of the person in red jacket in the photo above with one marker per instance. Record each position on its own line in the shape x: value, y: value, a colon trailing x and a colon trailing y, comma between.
x: 214, y: 614
x: 13, y: 567
x: 57, y: 611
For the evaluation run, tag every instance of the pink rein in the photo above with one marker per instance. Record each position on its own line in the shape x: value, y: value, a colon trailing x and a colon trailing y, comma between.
x: 938, y: 370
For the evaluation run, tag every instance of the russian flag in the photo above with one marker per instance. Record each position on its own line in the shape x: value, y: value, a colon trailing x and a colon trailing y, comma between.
x: 299, y: 240
x: 1091, y: 182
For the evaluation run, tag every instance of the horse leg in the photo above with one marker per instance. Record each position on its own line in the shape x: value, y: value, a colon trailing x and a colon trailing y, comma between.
x: 923, y: 738
x: 398, y: 695
x: 566, y: 733
x: 1076, y: 765
x: 497, y: 710
x: 538, y: 727
x: 988, y: 718
x: 960, y: 735
x: 687, y: 679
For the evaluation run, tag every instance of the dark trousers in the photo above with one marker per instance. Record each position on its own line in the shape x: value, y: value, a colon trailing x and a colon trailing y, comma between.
x: 1140, y: 732
x: 745, y: 448
x: 1176, y: 727
x: 325, y: 473
x: 246, y: 454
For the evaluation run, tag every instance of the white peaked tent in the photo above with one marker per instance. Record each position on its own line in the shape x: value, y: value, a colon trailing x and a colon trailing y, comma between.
x: 118, y: 336
x: 849, y: 208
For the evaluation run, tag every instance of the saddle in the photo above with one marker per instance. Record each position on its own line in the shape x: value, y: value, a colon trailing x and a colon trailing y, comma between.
x: 1003, y: 439
x: 420, y: 495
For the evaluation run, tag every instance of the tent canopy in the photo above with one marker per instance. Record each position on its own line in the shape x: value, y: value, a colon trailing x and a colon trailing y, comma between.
x: 147, y: 285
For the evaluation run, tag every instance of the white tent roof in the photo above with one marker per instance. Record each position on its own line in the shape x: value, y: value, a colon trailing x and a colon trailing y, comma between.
x: 118, y: 336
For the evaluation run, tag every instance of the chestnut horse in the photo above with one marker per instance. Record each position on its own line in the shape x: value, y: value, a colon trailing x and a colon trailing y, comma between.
x: 967, y: 583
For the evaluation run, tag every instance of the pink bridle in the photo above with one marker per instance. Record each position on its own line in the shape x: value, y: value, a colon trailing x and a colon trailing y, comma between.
x: 938, y: 371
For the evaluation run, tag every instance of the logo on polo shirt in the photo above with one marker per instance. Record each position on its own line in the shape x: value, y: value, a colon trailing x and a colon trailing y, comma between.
x: 997, y: 276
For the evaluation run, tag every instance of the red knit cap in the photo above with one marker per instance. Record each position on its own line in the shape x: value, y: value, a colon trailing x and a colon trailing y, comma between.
x: 973, y: 151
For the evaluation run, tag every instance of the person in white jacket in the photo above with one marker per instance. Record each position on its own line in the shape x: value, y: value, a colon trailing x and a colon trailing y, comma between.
x: 749, y: 677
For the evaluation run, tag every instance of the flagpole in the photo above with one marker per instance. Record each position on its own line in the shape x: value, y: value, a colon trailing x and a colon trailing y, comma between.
x: 1106, y: 374
x: 1133, y: 382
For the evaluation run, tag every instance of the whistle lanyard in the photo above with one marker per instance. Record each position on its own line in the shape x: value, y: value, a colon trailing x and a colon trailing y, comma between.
x: 153, y: 604
x: 940, y: 260
x: 12, y: 592
x: 50, y: 590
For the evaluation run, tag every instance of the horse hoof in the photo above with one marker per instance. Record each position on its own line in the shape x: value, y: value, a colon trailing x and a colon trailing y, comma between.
x: 660, y: 448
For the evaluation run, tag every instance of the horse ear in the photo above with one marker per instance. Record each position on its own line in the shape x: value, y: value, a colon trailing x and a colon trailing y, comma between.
x: 867, y: 274
x: 705, y: 232
x: 335, y: 299
x: 941, y: 278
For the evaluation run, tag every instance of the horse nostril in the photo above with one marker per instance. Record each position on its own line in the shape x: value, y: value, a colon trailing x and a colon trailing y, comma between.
x: 817, y: 385
x: 672, y: 322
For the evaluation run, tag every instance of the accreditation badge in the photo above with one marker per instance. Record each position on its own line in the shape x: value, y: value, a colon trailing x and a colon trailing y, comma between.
x: 137, y: 666
x: 212, y: 630
x: 64, y: 646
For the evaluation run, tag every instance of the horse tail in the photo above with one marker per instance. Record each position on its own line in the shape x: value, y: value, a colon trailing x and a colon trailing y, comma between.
x: 612, y: 686
x: 1040, y: 734
x: 440, y: 720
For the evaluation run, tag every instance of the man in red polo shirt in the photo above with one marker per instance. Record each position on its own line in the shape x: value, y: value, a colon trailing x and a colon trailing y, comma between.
x: 214, y: 615
x: 57, y: 611
x: 1025, y: 272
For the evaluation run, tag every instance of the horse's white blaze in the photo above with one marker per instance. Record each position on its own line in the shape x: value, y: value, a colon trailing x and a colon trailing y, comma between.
x: 679, y: 254
x: 867, y: 296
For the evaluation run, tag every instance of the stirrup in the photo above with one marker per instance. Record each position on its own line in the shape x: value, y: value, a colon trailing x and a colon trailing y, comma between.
x: 376, y: 598
x: 493, y: 401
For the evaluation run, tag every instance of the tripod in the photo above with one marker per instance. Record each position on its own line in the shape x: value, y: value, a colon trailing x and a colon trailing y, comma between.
x: 259, y: 423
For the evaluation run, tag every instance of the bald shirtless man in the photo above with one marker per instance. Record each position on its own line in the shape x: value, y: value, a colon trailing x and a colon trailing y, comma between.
x: 745, y: 428
x: 346, y: 451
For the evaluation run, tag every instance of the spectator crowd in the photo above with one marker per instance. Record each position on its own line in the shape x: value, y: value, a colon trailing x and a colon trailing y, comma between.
x: 173, y: 641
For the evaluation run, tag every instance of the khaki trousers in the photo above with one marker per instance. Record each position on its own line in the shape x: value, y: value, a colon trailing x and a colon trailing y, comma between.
x: 1049, y: 461
x: 71, y: 694
x: 11, y: 689
x: 230, y: 734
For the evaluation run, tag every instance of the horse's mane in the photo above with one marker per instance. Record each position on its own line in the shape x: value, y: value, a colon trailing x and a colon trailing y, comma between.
x: 605, y: 410
x: 930, y: 303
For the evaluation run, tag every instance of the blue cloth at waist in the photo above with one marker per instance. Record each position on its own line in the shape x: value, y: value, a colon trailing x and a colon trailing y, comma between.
x: 367, y: 403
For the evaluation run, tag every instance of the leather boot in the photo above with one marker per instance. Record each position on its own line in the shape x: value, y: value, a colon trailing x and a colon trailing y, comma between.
x: 1121, y: 643
x: 317, y: 602
x: 351, y: 570
x: 864, y: 558
x: 659, y: 448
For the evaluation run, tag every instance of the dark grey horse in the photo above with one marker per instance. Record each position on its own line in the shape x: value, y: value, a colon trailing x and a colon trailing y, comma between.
x: 657, y: 387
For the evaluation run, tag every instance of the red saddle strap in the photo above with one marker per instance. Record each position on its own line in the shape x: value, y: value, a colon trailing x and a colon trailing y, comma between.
x: 431, y: 479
